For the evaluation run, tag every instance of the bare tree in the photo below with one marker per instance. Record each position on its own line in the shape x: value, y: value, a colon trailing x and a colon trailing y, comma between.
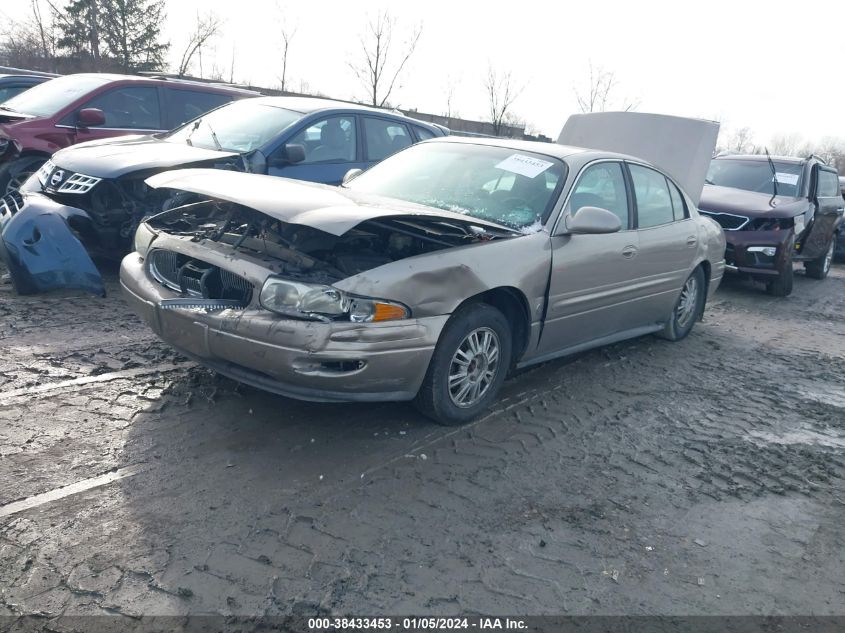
x: 449, y: 93
x: 599, y: 94
x: 30, y: 42
x: 742, y: 141
x: 501, y: 93
x: 207, y: 26
x: 789, y: 145
x: 382, y: 63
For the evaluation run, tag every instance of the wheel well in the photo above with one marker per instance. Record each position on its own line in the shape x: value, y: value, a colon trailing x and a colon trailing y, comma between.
x: 512, y: 303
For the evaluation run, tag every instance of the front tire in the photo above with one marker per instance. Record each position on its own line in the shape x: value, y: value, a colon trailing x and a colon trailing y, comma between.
x: 688, y: 308
x: 468, y: 367
x: 782, y: 286
x: 820, y: 267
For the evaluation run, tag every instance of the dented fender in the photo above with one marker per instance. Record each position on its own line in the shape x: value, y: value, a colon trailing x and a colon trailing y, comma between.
x: 40, y: 248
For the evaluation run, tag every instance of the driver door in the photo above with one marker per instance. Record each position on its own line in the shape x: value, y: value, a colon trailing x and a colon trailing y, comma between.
x: 829, y: 209
x: 593, y: 284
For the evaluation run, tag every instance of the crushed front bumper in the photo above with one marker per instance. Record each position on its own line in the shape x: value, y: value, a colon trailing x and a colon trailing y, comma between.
x: 743, y: 253
x: 40, y: 248
x: 306, y: 360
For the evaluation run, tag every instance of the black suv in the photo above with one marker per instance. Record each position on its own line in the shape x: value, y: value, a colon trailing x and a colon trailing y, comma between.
x: 775, y: 211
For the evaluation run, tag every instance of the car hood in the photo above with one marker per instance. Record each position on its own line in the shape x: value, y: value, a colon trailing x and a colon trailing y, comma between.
x: 329, y: 209
x: 680, y: 146
x: 717, y: 199
x: 112, y: 158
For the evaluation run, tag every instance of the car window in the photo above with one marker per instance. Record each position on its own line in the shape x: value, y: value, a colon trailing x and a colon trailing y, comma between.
x: 828, y: 184
x: 424, y: 134
x: 50, y: 97
x: 328, y: 140
x: 654, y: 204
x: 129, y: 107
x: 678, y: 204
x: 756, y: 175
x: 603, y: 186
x: 492, y: 183
x: 7, y: 92
x: 185, y: 105
x: 384, y: 138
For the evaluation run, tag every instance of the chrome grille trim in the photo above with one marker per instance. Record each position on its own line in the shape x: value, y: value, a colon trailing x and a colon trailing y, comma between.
x: 164, y: 266
x: 728, y: 221
x: 11, y: 203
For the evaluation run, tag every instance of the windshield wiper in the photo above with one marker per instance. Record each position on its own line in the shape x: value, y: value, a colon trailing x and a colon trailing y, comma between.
x: 214, y: 137
x: 774, y: 173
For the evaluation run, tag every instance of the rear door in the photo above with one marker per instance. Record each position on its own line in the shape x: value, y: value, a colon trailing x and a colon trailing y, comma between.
x: 181, y: 105
x: 593, y: 284
x: 829, y: 209
x: 383, y: 137
x: 668, y: 240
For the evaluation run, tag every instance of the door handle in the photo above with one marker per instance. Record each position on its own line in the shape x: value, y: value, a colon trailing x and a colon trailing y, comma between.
x: 691, y: 241
x: 629, y: 251
x: 840, y: 209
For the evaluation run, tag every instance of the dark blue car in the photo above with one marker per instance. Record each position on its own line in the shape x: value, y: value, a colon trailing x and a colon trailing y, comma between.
x: 90, y: 197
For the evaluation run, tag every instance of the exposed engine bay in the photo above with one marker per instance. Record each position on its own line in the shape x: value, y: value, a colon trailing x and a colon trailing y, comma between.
x: 308, y: 254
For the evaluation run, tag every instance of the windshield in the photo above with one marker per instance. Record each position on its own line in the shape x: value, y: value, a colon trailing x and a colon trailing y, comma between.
x: 756, y: 175
x: 510, y: 187
x: 240, y: 126
x: 53, y: 96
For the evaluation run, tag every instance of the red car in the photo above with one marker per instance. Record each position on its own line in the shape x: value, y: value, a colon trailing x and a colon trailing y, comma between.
x: 86, y: 107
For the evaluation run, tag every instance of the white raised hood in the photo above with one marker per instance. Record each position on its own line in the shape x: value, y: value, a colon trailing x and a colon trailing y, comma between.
x: 680, y: 146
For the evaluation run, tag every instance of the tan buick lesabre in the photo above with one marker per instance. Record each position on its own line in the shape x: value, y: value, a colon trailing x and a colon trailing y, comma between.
x: 426, y: 278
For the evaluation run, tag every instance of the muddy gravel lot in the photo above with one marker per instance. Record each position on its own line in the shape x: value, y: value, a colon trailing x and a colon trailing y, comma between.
x: 703, y: 477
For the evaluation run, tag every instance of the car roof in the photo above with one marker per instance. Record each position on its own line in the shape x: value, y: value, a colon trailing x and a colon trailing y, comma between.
x: 308, y: 105
x: 554, y: 150
x: 24, y: 77
x: 762, y: 158
x: 211, y: 87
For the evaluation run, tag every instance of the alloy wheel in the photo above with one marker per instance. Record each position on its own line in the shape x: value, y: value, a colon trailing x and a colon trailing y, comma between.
x: 688, y: 302
x: 474, y: 367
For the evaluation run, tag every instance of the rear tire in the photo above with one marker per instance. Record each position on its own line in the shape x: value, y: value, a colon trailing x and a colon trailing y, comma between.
x: 688, y: 308
x: 819, y: 268
x: 468, y: 367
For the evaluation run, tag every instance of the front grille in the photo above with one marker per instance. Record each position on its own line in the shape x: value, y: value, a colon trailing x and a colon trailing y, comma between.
x: 728, y: 221
x: 11, y: 203
x: 196, y: 278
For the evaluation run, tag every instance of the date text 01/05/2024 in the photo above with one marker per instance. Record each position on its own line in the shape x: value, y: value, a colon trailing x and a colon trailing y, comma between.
x: 412, y: 623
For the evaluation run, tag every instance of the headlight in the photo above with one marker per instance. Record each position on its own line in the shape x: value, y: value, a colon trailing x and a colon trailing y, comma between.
x: 144, y: 236
x: 768, y: 251
x: 325, y: 303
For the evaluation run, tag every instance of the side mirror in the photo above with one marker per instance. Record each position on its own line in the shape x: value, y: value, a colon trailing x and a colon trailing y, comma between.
x: 591, y: 221
x: 294, y: 153
x: 350, y: 175
x: 90, y: 117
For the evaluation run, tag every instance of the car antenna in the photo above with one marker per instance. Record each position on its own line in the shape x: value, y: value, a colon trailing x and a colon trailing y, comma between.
x: 774, y: 173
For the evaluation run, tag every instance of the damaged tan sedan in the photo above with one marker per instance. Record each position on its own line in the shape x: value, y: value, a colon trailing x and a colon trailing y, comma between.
x: 427, y: 278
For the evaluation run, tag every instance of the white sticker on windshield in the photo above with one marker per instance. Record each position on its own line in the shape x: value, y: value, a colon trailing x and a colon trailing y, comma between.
x: 525, y: 165
x: 786, y: 179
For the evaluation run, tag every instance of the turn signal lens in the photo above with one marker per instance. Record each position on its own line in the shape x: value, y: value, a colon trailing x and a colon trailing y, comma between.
x: 389, y: 312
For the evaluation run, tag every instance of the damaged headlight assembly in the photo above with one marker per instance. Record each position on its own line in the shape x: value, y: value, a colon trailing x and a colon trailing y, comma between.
x: 144, y: 236
x: 325, y: 303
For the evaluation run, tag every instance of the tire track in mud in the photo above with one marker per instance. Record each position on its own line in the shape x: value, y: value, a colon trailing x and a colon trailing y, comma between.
x: 255, y: 504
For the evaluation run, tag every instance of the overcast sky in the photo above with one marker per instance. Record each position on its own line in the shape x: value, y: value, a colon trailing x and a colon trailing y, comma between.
x: 776, y: 67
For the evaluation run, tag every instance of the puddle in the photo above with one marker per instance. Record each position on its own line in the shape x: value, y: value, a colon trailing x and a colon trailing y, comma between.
x: 802, y: 435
